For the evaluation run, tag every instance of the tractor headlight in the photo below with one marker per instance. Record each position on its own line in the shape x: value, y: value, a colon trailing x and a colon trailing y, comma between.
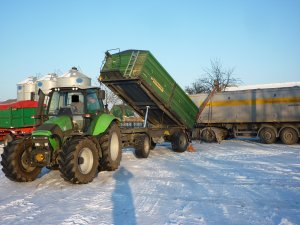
x: 39, y: 157
x: 37, y: 144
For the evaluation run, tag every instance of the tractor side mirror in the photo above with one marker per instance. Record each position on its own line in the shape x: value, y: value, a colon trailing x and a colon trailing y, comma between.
x: 101, y: 94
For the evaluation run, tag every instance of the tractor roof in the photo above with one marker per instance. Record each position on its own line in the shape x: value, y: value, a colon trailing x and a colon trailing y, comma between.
x: 73, y: 88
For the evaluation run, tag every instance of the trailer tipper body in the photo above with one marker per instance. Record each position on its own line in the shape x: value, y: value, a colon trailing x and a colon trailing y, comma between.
x: 269, y: 113
x: 141, y: 81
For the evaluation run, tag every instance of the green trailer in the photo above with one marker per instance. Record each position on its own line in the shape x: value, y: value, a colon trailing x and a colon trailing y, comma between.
x: 16, y: 119
x: 142, y: 82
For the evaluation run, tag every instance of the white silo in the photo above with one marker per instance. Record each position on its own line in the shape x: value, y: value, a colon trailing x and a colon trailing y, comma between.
x: 26, y: 89
x: 74, y: 78
x: 47, y: 82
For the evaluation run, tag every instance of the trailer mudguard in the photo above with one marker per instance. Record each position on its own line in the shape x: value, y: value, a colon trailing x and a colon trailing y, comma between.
x: 100, y: 124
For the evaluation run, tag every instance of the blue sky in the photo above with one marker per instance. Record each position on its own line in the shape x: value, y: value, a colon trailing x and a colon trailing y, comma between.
x: 260, y: 39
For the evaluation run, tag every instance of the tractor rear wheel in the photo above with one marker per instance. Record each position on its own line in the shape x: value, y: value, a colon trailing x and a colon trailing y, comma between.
x: 15, y: 161
x: 111, y: 147
x: 78, y: 161
x: 179, y: 141
x: 142, y: 146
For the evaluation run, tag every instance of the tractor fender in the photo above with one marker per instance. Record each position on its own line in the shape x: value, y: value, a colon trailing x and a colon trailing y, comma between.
x: 100, y: 124
x: 64, y: 122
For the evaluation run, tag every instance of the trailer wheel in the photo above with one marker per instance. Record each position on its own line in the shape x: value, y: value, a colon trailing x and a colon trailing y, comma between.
x: 111, y: 147
x: 208, y: 135
x: 267, y: 135
x: 152, y: 145
x: 179, y: 141
x: 289, y: 136
x: 142, y: 146
x: 15, y: 161
x: 78, y: 161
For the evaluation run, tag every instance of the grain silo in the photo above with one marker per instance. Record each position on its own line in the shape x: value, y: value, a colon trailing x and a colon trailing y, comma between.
x: 74, y: 78
x: 26, y: 89
x: 47, y: 82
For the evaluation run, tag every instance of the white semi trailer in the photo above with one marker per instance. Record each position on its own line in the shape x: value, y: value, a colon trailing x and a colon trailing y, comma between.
x: 269, y: 113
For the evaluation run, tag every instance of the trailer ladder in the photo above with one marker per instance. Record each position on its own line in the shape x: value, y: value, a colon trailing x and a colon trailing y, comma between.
x: 132, y: 61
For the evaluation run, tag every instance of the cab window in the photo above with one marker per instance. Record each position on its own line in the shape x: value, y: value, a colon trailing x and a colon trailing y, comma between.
x: 72, y: 100
x: 93, y: 104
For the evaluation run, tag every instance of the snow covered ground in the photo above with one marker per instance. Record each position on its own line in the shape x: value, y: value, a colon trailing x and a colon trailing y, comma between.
x: 235, y: 182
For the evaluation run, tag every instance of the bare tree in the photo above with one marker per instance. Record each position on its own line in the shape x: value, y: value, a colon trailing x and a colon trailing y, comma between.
x: 196, y: 87
x: 217, y: 76
x: 110, y: 98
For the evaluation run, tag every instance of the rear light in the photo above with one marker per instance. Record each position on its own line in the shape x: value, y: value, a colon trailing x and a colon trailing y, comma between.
x: 87, y: 115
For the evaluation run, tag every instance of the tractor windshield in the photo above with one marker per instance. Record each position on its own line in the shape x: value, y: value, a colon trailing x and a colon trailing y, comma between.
x: 67, y: 102
x: 93, y: 103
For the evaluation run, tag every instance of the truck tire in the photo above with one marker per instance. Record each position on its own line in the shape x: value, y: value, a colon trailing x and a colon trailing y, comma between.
x: 289, y: 136
x: 15, y: 162
x: 267, y: 135
x: 179, y: 141
x: 111, y: 147
x: 208, y: 135
x: 142, y: 146
x: 78, y: 160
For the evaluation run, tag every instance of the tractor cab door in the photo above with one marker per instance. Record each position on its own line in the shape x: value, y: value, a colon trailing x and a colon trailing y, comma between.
x: 76, y: 101
x: 94, y: 106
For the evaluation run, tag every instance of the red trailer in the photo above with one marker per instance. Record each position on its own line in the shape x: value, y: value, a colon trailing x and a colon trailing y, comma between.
x: 17, y: 119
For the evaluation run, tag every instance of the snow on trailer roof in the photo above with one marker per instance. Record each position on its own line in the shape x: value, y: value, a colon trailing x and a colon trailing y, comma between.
x: 263, y: 86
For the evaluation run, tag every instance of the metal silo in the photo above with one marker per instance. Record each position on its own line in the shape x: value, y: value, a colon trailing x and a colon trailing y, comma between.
x: 26, y: 89
x: 46, y: 83
x: 74, y: 78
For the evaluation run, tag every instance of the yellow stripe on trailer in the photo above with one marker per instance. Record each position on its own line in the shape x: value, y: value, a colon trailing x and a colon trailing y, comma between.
x: 259, y: 101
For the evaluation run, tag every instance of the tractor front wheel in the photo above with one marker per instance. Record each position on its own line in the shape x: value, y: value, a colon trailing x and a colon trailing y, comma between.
x: 15, y: 161
x: 78, y: 161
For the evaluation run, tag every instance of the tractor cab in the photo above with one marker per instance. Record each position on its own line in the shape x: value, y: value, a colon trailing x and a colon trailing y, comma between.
x: 79, y: 104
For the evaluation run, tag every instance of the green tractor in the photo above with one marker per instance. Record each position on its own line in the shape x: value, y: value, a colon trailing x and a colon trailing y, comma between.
x: 74, y: 134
